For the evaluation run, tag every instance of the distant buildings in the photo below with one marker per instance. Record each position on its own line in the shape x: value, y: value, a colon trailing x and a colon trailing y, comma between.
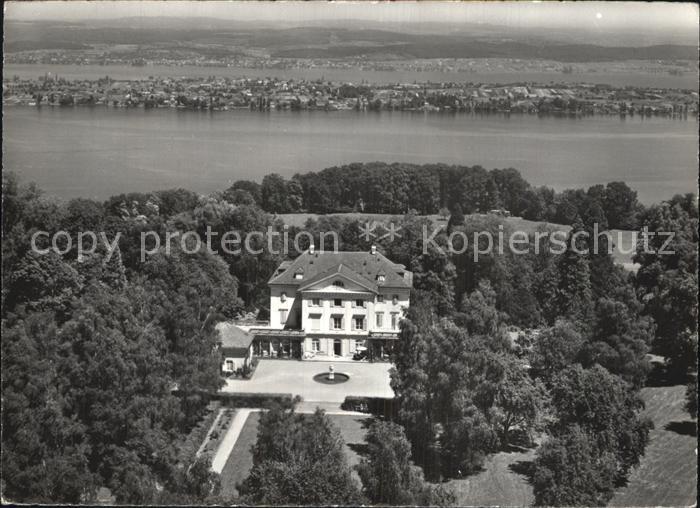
x: 222, y: 94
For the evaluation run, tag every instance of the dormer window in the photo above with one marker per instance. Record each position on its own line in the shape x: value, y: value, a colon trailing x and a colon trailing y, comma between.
x: 381, y: 277
x: 338, y: 283
x: 299, y: 274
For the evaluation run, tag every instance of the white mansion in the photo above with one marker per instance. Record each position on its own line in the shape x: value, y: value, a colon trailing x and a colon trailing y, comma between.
x: 334, y: 304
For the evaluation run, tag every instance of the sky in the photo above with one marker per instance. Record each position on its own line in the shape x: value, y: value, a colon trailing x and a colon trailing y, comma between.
x: 600, y: 15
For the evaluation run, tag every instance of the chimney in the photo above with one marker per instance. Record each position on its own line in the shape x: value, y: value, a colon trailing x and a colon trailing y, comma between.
x: 373, y: 249
x: 311, y: 248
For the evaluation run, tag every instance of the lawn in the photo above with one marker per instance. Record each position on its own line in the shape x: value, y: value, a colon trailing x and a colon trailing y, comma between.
x: 667, y: 474
x: 502, y: 482
x: 240, y: 461
x: 353, y: 429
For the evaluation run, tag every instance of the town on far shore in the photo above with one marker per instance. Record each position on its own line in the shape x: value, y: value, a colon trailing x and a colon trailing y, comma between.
x: 264, y: 94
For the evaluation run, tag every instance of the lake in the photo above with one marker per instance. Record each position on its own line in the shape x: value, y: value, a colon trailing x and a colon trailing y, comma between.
x: 688, y: 80
x: 99, y: 152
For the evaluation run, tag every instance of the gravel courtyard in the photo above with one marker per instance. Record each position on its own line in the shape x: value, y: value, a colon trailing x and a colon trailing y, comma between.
x: 296, y: 377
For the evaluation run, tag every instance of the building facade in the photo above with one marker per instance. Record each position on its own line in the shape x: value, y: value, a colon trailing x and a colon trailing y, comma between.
x: 334, y: 304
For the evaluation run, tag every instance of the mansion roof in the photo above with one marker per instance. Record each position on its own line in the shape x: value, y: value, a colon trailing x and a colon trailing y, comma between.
x: 371, y: 270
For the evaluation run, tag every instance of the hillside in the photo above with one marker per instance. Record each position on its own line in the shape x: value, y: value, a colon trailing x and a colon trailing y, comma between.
x: 329, y: 42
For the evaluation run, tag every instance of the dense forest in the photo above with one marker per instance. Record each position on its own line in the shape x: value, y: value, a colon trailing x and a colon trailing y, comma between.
x: 398, y: 188
x: 105, y: 357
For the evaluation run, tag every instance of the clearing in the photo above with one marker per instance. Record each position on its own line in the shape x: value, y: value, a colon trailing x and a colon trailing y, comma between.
x: 667, y: 474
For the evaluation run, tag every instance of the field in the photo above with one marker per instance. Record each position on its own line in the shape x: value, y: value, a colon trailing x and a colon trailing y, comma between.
x: 667, y: 474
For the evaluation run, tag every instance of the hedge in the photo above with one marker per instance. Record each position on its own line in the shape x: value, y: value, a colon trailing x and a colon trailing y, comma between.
x: 254, y: 400
x: 378, y: 406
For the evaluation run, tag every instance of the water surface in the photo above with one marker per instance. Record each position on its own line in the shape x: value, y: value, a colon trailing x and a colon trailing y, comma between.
x: 98, y: 152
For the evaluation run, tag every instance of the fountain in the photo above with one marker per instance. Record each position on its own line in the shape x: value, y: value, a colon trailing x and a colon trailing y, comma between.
x: 331, y: 377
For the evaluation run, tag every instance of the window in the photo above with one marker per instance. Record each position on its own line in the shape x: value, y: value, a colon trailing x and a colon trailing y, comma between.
x: 380, y: 298
x: 380, y: 319
x: 337, y: 322
x: 230, y: 365
x: 359, y: 323
x: 283, y: 297
x: 337, y: 302
x: 359, y: 303
x: 395, y: 299
x: 315, y: 345
x: 315, y: 321
x: 283, y: 316
x: 316, y: 302
x: 338, y: 283
x: 394, y: 320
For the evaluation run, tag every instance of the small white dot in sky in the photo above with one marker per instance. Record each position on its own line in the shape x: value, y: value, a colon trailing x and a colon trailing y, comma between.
x: 599, y: 15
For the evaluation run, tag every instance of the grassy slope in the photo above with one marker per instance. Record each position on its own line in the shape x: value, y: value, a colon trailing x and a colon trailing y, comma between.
x: 667, y: 474
x: 503, y: 482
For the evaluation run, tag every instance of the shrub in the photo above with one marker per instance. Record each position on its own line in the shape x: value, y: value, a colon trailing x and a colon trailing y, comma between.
x: 255, y: 400
x: 377, y: 406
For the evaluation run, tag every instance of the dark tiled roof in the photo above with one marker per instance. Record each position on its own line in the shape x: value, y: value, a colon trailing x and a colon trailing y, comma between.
x: 364, y: 267
x: 232, y: 337
x: 345, y: 272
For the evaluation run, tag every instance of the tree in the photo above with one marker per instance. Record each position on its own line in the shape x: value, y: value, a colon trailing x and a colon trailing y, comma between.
x: 619, y: 341
x: 174, y: 201
x: 239, y: 197
x: 667, y: 281
x: 44, y: 453
x: 520, y: 402
x: 253, y: 188
x: 570, y: 471
x: 388, y: 475
x: 445, y: 381
x: 274, y: 194
x: 299, y: 459
x: 606, y: 408
x: 295, y: 195
x: 476, y: 190
x: 620, y: 205
x: 512, y: 189
x: 555, y: 349
x: 574, y: 294
x: 456, y: 217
